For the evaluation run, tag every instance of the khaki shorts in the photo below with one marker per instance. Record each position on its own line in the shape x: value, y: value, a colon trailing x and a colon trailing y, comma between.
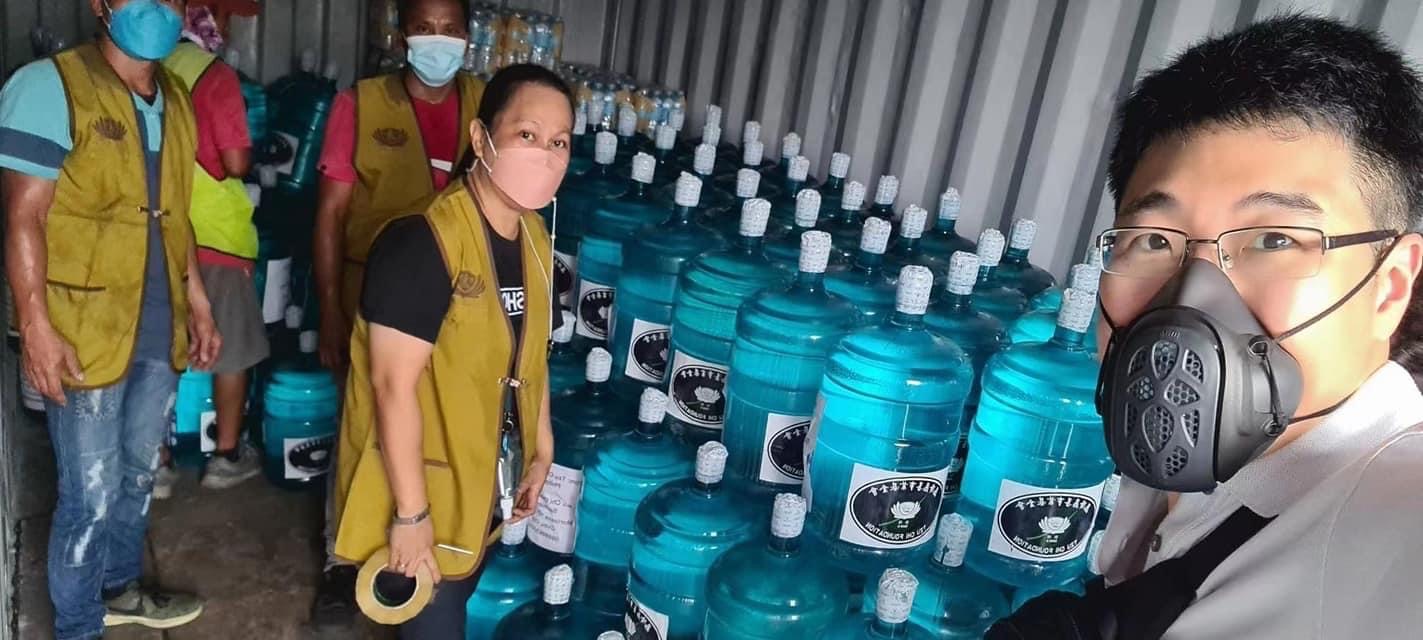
x: 238, y: 316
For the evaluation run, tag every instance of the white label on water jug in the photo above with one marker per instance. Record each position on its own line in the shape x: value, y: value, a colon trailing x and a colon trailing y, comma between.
x: 1043, y: 524
x: 887, y: 509
x: 304, y: 458
x: 647, y: 352
x: 783, y: 449
x: 277, y: 291
x: 594, y: 310
x: 808, y: 448
x: 565, y: 269
x: 696, y: 391
x: 207, y: 431
x: 554, y: 524
x: 643, y: 623
x: 290, y: 145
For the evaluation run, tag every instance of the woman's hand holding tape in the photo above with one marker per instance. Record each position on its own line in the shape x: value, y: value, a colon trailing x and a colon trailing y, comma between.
x: 412, y: 547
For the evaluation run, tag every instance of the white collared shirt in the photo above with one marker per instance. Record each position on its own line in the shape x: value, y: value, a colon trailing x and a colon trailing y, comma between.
x: 1344, y: 557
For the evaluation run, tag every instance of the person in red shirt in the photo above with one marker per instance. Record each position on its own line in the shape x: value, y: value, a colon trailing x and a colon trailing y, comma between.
x: 390, y: 147
x: 227, y: 244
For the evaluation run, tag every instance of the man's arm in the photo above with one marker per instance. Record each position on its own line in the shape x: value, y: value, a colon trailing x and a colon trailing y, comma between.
x: 334, y: 200
x: 46, y: 356
x: 236, y: 162
x: 205, y: 343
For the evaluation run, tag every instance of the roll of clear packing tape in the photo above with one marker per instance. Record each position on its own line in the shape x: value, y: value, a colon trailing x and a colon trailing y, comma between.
x: 377, y: 608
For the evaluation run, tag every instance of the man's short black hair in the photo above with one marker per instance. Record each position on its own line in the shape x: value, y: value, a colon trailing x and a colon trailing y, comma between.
x: 404, y: 7
x: 1327, y: 75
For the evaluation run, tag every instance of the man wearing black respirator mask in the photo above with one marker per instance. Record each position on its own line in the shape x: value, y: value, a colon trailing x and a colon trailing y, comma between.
x: 1269, y: 187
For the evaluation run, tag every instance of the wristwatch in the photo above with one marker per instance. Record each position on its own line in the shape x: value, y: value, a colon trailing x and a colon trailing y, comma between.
x: 413, y: 520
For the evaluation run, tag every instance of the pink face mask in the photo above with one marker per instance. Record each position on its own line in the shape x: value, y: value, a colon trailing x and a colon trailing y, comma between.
x: 529, y: 176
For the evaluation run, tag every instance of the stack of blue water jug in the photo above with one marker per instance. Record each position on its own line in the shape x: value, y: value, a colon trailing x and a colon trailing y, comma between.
x: 913, y: 416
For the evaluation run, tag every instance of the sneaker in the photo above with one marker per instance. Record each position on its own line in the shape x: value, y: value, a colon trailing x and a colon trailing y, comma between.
x: 222, y: 473
x: 163, y: 481
x: 152, y: 608
x: 335, y: 605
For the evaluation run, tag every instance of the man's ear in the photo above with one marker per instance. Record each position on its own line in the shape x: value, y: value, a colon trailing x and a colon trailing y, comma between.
x: 1397, y: 279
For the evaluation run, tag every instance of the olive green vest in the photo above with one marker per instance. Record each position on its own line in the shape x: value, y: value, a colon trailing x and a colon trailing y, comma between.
x: 459, y: 393
x: 221, y: 211
x: 392, y: 169
x: 99, y: 219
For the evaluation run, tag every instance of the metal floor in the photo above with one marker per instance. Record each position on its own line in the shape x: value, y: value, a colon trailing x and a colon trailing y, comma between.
x: 251, y: 551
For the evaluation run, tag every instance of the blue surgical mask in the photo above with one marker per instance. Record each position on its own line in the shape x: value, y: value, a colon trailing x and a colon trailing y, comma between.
x: 144, y: 29
x: 435, y: 59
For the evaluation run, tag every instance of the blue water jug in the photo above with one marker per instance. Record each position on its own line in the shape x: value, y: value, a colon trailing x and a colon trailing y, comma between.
x: 906, y: 249
x: 511, y: 577
x: 894, y: 600
x: 553, y: 617
x: 194, y: 432
x: 301, y: 409
x: 991, y: 294
x: 299, y: 105
x: 944, y: 239
x: 1016, y: 271
x: 600, y: 253
x: 848, y: 219
x: 785, y: 250
x: 866, y: 284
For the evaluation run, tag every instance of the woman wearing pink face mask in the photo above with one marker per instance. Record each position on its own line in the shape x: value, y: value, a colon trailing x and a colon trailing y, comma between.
x: 446, y: 433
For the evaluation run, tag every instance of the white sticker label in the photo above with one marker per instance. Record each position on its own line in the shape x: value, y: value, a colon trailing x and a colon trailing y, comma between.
x: 565, y: 270
x: 207, y: 428
x: 783, y: 449
x: 594, y: 310
x: 809, y: 447
x: 647, y: 352
x: 696, y: 391
x: 554, y: 524
x: 277, y: 291
x: 643, y: 623
x: 290, y: 145
x: 306, y: 457
x: 887, y: 509
x: 1043, y: 524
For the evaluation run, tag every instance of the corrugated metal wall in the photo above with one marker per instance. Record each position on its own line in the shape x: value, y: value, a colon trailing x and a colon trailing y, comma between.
x: 1008, y: 100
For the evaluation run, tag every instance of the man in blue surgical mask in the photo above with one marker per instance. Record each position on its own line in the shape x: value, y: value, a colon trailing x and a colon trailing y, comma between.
x: 389, y: 162
x: 96, y: 169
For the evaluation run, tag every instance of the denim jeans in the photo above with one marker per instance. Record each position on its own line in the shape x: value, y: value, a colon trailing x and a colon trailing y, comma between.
x: 106, y: 447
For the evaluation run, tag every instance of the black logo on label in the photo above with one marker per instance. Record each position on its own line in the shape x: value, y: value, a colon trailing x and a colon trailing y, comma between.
x: 312, y: 456
x: 593, y: 310
x: 699, y: 392
x: 649, y: 351
x: 1047, y: 525
x: 280, y: 150
x: 787, y: 450
x: 638, y: 624
x: 562, y: 276
x: 897, y: 511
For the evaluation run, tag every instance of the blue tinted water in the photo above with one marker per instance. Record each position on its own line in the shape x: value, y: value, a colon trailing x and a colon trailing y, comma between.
x: 193, y: 414
x: 709, y: 293
x: 991, y: 296
x: 866, y: 284
x: 1018, y: 273
x: 512, y: 576
x: 980, y: 336
x: 943, y: 240
x: 1037, y: 461
x: 600, y: 258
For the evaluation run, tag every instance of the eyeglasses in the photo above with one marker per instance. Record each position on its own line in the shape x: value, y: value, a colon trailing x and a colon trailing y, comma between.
x: 1252, y: 252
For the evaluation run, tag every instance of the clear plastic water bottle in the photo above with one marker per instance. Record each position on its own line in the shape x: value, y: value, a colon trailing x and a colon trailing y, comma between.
x: 647, y: 287
x: 623, y: 469
x: 1039, y: 326
x: 600, y: 253
x: 866, y: 284
x: 1016, y: 271
x: 953, y: 602
x: 793, y: 183
x: 944, y: 239
x: 512, y: 576
x: 565, y: 363
x: 555, y: 617
x: 783, y: 338
x: 581, y: 417
x: 834, y: 187
x: 978, y: 334
x: 894, y: 601
x: 709, y: 293
x: 1037, y: 458
x: 886, y: 192
x: 682, y: 528
x: 577, y: 198
x: 785, y: 250
x: 751, y: 159
x: 773, y: 588
x: 727, y: 222
x: 990, y: 294
x: 883, y: 434
x: 906, y: 250
x: 845, y: 227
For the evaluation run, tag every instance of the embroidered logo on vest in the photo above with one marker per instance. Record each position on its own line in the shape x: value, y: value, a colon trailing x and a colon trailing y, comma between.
x: 388, y: 137
x: 468, y: 285
x: 110, y: 128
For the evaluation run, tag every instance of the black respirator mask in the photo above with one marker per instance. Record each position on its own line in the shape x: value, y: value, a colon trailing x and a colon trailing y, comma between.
x: 1195, y: 388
